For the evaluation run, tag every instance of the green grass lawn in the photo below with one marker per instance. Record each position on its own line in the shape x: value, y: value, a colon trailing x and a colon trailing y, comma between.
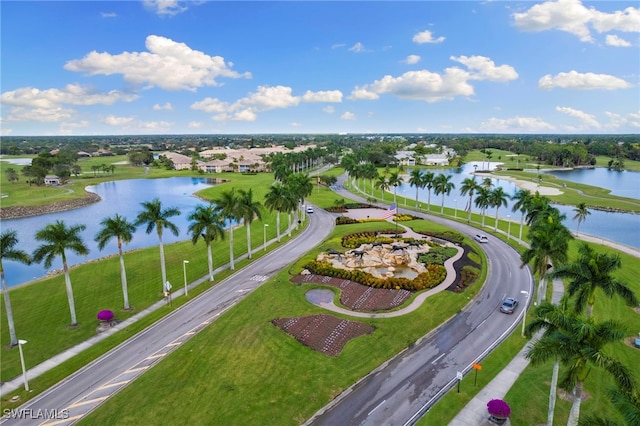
x: 244, y: 370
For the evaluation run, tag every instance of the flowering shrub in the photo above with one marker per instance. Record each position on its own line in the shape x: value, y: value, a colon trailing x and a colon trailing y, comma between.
x: 105, y: 315
x: 435, y: 275
x: 498, y: 408
x: 454, y: 237
x: 366, y: 237
x: 404, y: 217
x: 344, y: 220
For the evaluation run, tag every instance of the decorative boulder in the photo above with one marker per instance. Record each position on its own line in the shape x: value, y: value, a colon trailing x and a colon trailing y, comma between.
x: 105, y: 315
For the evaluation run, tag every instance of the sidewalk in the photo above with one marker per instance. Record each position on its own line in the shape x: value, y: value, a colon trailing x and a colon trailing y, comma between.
x: 475, y: 412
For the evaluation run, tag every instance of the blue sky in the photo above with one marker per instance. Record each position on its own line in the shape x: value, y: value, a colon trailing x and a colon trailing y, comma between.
x: 172, y: 67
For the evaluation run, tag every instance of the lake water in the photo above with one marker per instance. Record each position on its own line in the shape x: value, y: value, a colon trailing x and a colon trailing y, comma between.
x: 623, y: 228
x: 622, y: 184
x: 122, y: 197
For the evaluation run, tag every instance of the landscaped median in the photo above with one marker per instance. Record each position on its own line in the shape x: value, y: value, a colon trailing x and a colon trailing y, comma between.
x: 243, y: 369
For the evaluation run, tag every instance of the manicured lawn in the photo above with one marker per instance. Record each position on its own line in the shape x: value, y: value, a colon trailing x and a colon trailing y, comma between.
x: 244, y: 370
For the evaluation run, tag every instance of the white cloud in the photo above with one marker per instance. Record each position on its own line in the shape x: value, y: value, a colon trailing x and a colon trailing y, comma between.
x: 72, y: 94
x: 322, y: 96
x: 108, y: 14
x: 573, y: 17
x: 412, y: 59
x: 614, y: 40
x: 166, y: 107
x: 616, y: 121
x: 265, y: 98
x: 589, y: 120
x: 68, y: 128
x: 167, y: 64
x: 112, y: 120
x: 329, y: 109
x: 433, y: 87
x: 358, y: 47
x: 426, y: 37
x: 582, y: 81
x: 195, y: 124
x: 39, y: 114
x: 295, y: 124
x: 516, y: 125
x: 348, y: 116
x: 486, y: 69
x: 164, y: 7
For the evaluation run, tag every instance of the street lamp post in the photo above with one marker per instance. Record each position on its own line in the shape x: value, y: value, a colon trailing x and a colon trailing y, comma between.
x: 265, y: 236
x: 24, y: 370
x: 508, y: 227
x: 524, y: 313
x: 184, y: 269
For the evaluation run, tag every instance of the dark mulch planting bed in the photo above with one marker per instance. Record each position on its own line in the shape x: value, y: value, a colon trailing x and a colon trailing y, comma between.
x: 323, y: 333
x: 359, y: 297
x: 459, y: 264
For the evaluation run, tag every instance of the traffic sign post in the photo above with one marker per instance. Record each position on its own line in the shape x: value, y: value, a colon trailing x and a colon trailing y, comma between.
x: 459, y: 377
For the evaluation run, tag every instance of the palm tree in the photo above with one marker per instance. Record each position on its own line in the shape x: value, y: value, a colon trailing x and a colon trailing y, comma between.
x: 497, y: 199
x: 591, y: 271
x: 206, y: 223
x: 249, y: 210
x: 551, y: 318
x: 482, y: 201
x: 469, y: 186
x: 122, y: 230
x: 8, y: 241
x: 154, y: 216
x: 394, y: 180
x: 277, y: 200
x: 382, y: 184
x: 627, y: 404
x: 581, y: 345
x: 58, y: 238
x: 523, y: 199
x: 428, y: 183
x: 549, y: 245
x: 443, y: 185
x: 415, y: 179
x: 371, y: 172
x: 581, y: 214
x: 228, y: 206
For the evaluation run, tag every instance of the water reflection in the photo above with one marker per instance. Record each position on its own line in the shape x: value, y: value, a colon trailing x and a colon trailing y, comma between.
x: 122, y: 197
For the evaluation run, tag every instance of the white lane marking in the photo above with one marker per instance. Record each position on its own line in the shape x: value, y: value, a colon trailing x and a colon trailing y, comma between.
x: 377, y: 406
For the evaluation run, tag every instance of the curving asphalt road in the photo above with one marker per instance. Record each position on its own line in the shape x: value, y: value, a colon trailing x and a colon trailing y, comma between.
x: 404, y: 388
x: 73, y: 398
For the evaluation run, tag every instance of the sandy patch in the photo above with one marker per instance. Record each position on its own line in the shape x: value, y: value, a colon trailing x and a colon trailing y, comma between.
x: 531, y: 186
x: 365, y: 213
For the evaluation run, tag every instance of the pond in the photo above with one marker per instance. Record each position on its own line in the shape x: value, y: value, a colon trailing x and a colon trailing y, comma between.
x: 622, y: 184
x: 122, y: 197
x: 623, y: 228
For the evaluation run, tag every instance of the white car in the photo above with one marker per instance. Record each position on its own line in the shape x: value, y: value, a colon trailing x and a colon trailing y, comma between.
x: 481, y: 238
x: 309, y: 209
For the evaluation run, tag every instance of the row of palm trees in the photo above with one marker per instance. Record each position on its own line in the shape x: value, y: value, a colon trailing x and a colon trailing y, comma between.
x: 207, y: 222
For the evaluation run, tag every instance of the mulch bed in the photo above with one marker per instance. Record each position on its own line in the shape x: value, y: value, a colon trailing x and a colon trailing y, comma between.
x: 323, y: 333
x: 358, y: 297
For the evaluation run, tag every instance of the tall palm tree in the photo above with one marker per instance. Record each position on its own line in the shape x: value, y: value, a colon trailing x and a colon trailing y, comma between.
x: 482, y: 201
x: 552, y: 319
x: 249, y: 210
x: 443, y: 185
x: 122, y: 230
x: 206, y: 223
x: 58, y: 238
x: 549, y: 245
x: 156, y: 218
x: 228, y: 206
x: 415, y: 179
x: 589, y: 272
x: 469, y: 186
x: 523, y: 199
x: 276, y: 199
x: 428, y: 183
x: 8, y: 241
x: 382, y: 184
x: 371, y: 172
x: 395, y: 180
x: 582, y: 346
x: 497, y: 198
x: 581, y: 213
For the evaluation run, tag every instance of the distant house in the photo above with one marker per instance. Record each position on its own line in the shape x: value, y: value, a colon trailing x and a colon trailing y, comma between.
x: 180, y: 162
x: 52, y: 180
x: 83, y: 154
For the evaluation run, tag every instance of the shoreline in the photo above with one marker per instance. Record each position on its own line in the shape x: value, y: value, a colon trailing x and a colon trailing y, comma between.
x: 18, y: 212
